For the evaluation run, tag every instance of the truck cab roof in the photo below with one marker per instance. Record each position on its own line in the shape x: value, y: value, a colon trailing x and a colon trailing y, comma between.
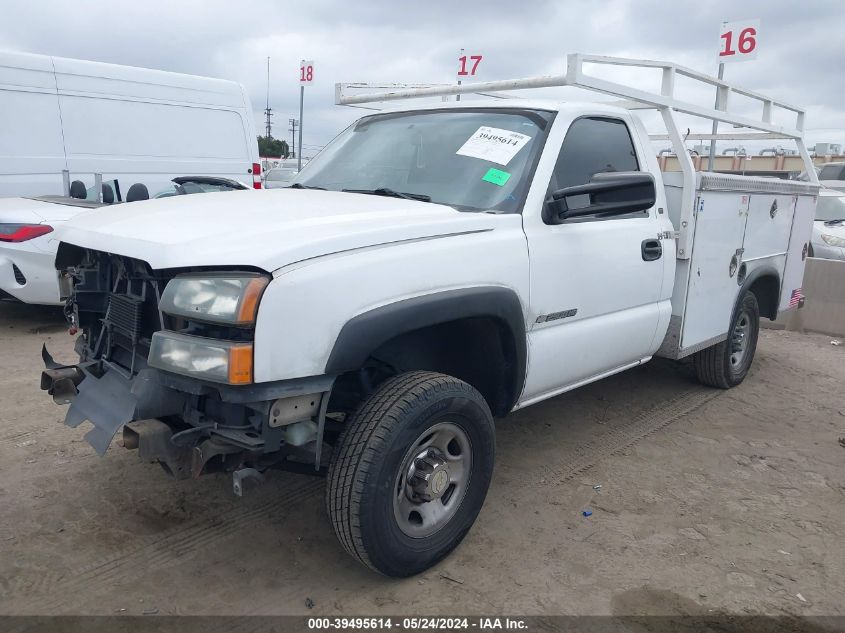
x: 548, y: 105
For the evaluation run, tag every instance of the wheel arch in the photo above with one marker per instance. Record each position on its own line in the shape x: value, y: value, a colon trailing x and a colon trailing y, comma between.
x: 461, y: 314
x: 764, y: 283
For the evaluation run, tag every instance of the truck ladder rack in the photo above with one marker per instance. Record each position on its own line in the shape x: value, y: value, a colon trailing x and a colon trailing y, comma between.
x: 664, y: 102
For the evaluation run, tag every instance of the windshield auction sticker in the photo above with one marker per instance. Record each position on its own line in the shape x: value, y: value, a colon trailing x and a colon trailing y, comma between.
x: 494, y: 144
x: 496, y: 176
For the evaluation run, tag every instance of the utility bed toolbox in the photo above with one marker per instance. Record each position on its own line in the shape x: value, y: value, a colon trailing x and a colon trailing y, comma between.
x: 742, y: 226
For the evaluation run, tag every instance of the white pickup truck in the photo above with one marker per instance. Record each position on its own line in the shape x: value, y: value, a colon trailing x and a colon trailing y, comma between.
x: 432, y: 268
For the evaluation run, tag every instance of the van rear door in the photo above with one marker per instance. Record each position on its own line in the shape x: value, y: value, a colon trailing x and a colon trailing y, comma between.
x: 32, y: 156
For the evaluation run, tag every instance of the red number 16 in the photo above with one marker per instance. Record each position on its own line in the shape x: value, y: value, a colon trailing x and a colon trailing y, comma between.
x: 747, y: 42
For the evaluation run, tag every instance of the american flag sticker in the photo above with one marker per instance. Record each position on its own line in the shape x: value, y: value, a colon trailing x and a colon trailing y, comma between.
x: 796, y: 298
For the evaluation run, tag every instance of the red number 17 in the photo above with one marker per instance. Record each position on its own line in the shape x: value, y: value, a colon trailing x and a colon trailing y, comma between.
x: 476, y: 59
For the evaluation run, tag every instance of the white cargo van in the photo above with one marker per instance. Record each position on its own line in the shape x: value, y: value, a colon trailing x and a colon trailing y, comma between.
x: 133, y: 125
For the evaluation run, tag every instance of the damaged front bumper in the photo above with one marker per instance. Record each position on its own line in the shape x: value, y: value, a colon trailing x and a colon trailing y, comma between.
x: 188, y: 425
x: 105, y: 396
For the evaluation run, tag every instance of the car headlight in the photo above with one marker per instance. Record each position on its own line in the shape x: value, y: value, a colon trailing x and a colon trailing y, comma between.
x: 209, y: 359
x: 832, y: 240
x: 217, y: 297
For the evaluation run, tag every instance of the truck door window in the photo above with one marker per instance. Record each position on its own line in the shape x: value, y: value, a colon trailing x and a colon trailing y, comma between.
x: 594, y: 145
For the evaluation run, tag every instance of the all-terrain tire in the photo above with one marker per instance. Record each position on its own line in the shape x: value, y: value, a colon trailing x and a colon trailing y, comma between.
x: 719, y: 365
x: 361, y: 490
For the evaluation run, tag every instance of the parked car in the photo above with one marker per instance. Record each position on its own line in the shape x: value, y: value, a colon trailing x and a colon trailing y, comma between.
x: 830, y: 175
x: 279, y: 177
x: 28, y: 242
x: 141, y: 125
x: 431, y: 268
x: 829, y: 228
x: 185, y: 185
x: 30, y: 230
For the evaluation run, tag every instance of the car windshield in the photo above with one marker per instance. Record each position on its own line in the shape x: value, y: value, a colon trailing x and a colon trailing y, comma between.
x: 471, y: 159
x: 280, y: 175
x: 191, y: 186
x: 167, y: 193
x: 108, y: 196
x: 830, y: 208
x: 833, y: 171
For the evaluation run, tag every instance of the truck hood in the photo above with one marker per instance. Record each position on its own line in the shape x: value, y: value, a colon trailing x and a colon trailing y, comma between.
x: 265, y: 229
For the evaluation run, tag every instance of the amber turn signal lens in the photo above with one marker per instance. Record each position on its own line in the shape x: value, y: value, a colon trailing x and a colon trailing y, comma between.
x: 249, y: 303
x: 240, y: 365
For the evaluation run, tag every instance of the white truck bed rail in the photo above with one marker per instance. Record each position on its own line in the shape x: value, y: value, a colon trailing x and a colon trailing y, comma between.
x: 664, y: 101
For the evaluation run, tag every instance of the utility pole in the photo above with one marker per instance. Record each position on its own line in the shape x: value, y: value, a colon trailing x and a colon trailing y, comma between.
x: 306, y: 78
x: 458, y: 97
x: 267, y: 111
x: 293, y: 124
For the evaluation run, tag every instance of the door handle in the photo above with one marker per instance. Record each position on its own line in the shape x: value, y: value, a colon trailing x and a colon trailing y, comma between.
x: 652, y: 249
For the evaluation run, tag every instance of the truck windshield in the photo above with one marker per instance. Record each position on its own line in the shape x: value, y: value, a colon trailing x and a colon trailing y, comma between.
x: 471, y: 159
x: 830, y: 208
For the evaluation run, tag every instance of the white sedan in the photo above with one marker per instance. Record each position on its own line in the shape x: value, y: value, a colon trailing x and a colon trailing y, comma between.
x: 30, y: 233
x: 28, y: 243
x: 828, y: 239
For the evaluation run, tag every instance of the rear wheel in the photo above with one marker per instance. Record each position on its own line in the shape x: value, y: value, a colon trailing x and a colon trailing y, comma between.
x: 726, y: 364
x: 410, y: 472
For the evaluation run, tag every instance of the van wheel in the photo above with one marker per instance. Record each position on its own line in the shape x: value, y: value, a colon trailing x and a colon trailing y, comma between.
x: 410, y: 472
x: 726, y: 364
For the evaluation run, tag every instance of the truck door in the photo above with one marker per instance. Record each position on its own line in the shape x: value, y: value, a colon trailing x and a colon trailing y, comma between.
x: 597, y: 284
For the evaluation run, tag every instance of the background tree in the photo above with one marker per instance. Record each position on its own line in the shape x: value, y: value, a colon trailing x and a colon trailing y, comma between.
x: 272, y: 147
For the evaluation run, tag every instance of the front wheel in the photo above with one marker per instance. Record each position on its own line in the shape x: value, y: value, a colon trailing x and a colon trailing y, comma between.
x: 410, y: 472
x: 726, y: 364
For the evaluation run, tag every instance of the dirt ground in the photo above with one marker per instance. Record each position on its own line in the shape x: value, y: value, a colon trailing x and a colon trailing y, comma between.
x: 710, y: 502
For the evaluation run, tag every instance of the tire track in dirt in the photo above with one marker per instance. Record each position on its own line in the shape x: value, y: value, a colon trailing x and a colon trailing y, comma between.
x: 150, y: 553
x: 26, y: 431
x: 584, y: 456
x: 175, y: 545
x: 567, y: 465
x: 16, y: 437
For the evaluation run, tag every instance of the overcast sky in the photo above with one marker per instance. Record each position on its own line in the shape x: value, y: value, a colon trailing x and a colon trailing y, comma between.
x: 800, y: 45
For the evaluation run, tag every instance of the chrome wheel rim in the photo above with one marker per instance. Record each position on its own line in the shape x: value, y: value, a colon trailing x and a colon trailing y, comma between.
x: 432, y: 480
x: 739, y: 339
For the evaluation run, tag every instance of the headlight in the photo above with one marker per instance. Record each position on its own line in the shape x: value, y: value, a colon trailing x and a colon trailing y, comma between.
x: 220, y: 298
x: 833, y: 240
x: 210, y: 359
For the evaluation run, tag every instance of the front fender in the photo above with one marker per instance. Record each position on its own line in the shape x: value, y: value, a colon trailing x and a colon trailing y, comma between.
x: 366, y: 332
x: 307, y: 305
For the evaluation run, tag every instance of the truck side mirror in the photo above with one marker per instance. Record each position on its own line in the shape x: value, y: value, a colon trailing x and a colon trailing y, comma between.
x: 607, y: 194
